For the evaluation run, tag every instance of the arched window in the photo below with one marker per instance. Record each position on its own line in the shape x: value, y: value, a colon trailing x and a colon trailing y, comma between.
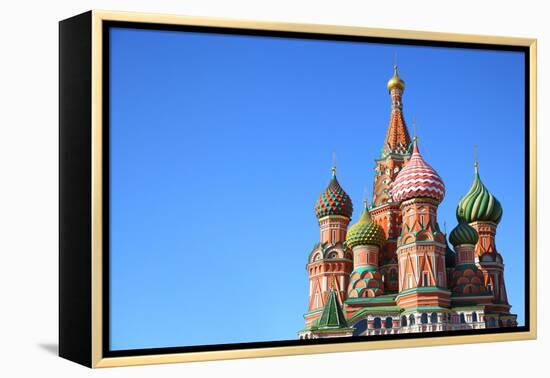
x: 403, y: 321
x: 462, y: 318
x: 393, y: 275
x: 424, y: 318
x: 433, y: 318
x: 411, y: 319
x: 491, y: 322
x: 474, y: 316
x: 389, y: 322
x: 377, y: 323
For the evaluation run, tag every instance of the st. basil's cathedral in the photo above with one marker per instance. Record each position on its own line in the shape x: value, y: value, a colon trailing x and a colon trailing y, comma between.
x: 393, y: 271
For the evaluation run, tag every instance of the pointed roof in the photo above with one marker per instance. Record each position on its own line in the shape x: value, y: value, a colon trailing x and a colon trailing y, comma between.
x: 332, y: 316
x: 397, y: 139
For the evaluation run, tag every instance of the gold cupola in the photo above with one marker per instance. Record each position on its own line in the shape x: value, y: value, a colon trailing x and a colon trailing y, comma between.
x: 395, y: 82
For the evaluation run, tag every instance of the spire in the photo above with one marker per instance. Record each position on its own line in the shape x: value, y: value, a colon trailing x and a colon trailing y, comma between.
x: 332, y: 316
x: 397, y: 137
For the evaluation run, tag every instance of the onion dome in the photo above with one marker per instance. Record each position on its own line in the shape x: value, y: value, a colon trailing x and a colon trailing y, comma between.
x: 463, y: 234
x: 365, y: 232
x: 417, y: 179
x: 395, y: 82
x: 478, y: 204
x: 333, y: 200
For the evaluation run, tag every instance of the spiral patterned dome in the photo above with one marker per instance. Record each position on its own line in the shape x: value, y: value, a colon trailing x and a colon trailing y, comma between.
x: 417, y: 179
x: 463, y: 233
x: 334, y: 200
x: 479, y: 204
x: 365, y: 232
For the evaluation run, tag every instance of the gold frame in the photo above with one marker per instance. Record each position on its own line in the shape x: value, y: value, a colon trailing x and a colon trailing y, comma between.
x: 97, y: 358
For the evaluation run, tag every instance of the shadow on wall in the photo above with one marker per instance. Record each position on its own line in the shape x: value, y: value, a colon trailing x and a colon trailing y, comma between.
x: 51, y: 348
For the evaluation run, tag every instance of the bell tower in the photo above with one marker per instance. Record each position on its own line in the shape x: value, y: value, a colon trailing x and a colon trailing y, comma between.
x: 421, y: 247
x: 331, y: 260
x: 394, y: 154
x: 483, y: 212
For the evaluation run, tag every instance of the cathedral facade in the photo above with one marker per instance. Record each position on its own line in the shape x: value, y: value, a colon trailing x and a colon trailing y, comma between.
x: 393, y: 271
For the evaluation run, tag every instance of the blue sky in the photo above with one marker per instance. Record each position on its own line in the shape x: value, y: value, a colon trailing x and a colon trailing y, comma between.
x: 220, y: 145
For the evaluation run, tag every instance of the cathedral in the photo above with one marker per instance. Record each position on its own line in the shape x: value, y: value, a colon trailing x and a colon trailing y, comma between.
x: 393, y: 271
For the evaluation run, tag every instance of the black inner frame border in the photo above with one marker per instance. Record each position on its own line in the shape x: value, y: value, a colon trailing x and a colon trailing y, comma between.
x: 106, y: 27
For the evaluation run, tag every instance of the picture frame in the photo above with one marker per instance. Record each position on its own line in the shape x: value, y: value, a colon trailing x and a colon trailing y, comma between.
x: 84, y: 118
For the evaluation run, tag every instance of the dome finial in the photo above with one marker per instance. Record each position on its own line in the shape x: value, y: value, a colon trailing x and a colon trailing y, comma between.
x: 476, y: 163
x: 333, y: 169
x: 414, y: 129
x: 415, y: 139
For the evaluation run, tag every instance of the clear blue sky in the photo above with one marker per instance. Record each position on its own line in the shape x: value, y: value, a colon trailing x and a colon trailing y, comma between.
x: 220, y: 146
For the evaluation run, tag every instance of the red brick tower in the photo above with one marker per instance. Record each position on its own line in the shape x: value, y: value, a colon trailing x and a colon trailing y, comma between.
x: 385, y: 212
x: 421, y: 247
x: 483, y: 212
x: 331, y: 260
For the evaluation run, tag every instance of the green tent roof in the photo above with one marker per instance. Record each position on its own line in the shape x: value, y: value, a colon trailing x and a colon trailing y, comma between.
x: 332, y: 316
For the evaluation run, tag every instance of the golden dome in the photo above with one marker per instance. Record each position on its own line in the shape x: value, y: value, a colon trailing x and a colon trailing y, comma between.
x: 395, y: 81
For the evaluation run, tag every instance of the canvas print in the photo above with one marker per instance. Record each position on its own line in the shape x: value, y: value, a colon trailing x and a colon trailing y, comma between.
x: 274, y: 188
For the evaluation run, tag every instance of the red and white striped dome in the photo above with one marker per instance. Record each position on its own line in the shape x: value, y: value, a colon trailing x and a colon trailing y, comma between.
x: 417, y: 179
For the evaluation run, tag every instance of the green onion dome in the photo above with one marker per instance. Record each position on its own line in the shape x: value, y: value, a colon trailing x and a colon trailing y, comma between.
x: 478, y: 204
x: 463, y: 234
x: 334, y: 200
x: 365, y: 232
